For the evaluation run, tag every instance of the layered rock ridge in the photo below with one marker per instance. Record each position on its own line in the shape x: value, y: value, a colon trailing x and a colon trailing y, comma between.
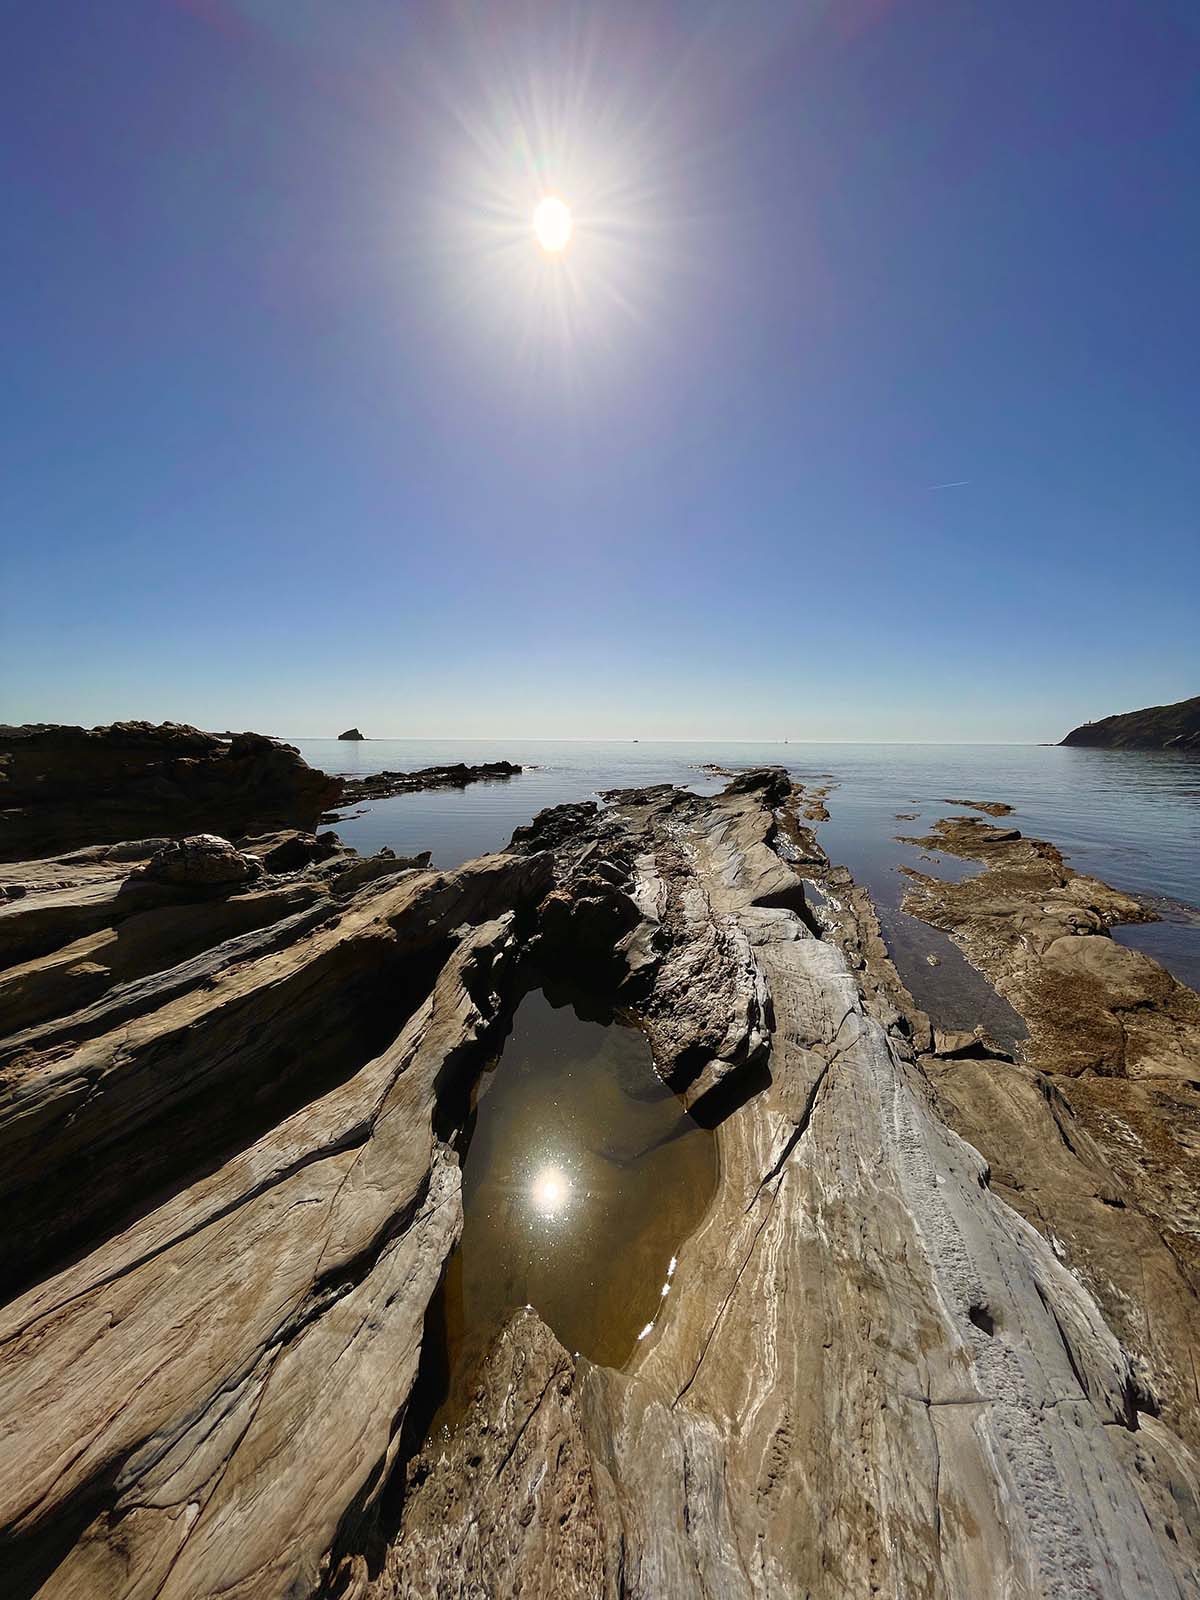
x: 1094, y: 1134
x: 228, y: 1210
x: 232, y: 1173
x: 872, y: 1376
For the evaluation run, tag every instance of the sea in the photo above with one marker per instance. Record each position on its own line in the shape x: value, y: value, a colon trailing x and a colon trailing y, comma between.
x: 1131, y: 818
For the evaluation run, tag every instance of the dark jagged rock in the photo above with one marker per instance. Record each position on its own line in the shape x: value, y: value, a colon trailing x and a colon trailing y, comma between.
x: 291, y: 849
x: 383, y: 785
x: 994, y: 808
x: 1173, y: 727
x: 772, y: 783
x: 352, y: 733
x: 553, y: 826
x: 64, y: 787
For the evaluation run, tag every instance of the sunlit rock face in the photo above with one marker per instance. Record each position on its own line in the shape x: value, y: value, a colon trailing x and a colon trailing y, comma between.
x: 239, y: 1136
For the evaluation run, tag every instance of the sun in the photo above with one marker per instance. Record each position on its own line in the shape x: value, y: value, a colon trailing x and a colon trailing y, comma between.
x: 552, y: 225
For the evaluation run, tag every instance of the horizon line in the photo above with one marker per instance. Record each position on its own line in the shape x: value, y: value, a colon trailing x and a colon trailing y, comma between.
x: 575, y: 738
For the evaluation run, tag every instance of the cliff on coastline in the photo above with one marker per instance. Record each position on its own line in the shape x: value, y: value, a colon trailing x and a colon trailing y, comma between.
x: 1174, y: 727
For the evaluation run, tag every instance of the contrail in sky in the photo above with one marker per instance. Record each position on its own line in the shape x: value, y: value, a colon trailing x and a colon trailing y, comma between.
x: 959, y: 483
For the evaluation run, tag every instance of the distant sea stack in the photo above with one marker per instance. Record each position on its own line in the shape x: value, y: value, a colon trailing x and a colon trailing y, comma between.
x: 352, y: 733
x: 1175, y: 727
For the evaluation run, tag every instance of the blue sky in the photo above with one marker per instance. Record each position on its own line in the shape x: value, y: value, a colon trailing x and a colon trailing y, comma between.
x: 298, y: 430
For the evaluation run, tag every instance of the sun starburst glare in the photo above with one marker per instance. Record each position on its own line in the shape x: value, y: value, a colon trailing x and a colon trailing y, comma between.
x: 560, y: 215
x: 552, y: 224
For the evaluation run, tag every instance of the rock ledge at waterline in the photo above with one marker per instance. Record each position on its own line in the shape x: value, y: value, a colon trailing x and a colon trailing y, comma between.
x: 231, y: 1182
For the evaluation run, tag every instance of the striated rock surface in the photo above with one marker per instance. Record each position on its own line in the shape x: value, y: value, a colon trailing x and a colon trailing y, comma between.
x: 231, y: 1175
x: 1173, y: 727
x: 1095, y: 1133
x: 64, y: 787
x: 872, y: 1376
x: 231, y: 1208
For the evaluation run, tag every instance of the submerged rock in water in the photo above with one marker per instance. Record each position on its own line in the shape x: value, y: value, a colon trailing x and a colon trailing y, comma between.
x: 228, y: 1152
x: 994, y: 808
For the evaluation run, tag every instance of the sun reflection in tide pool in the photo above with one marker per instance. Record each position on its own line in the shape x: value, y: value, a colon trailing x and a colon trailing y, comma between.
x: 550, y: 1191
x: 582, y: 1176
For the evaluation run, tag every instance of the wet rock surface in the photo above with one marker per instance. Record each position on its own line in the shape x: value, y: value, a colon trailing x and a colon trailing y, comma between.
x: 228, y: 1133
x: 993, y: 808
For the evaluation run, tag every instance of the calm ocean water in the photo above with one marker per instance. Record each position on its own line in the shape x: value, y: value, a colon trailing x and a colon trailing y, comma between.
x: 1130, y: 818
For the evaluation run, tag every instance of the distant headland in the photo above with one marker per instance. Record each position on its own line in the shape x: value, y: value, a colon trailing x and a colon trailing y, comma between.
x: 1174, y: 727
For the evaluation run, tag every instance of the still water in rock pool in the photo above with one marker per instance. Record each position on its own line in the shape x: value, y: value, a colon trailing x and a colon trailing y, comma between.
x: 582, y: 1177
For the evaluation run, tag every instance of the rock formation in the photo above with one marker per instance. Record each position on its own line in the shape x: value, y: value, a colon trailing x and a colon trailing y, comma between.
x: 63, y: 788
x: 352, y: 733
x: 383, y: 785
x: 1094, y: 1135
x: 1173, y: 727
x: 993, y: 808
x: 230, y: 1121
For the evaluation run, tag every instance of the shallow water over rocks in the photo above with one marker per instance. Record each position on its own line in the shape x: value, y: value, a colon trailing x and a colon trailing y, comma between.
x: 1129, y: 817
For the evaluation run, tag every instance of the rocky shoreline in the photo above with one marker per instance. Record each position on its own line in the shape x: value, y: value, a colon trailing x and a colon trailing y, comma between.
x: 232, y: 1119
x: 384, y: 785
x: 1095, y: 1134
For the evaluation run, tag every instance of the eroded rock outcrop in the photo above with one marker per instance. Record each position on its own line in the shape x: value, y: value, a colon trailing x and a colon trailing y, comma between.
x: 1094, y: 1134
x: 383, y: 785
x: 64, y: 787
x: 872, y: 1375
x: 232, y: 1183
x: 231, y: 1208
